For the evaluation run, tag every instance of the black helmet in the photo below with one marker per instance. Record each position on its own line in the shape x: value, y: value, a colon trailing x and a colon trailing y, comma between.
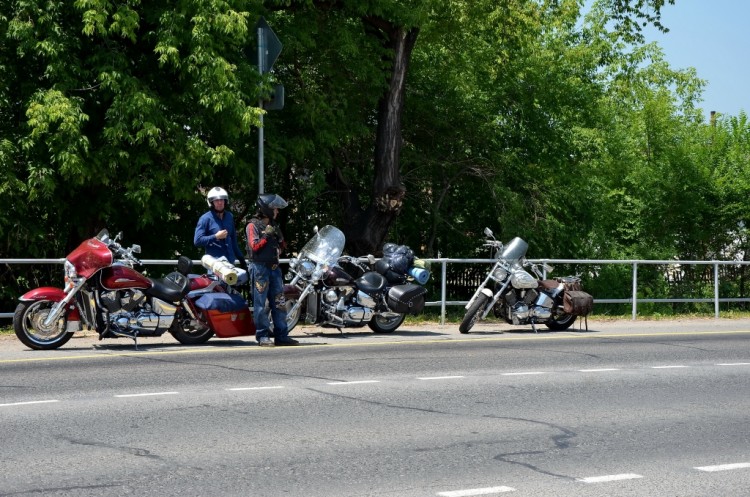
x: 267, y: 202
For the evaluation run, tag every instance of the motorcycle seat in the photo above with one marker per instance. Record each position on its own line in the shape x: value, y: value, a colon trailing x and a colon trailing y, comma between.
x: 171, y: 288
x: 549, y: 284
x: 370, y: 282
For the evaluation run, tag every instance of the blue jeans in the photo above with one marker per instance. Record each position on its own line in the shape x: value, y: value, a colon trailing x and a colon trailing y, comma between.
x: 268, y: 285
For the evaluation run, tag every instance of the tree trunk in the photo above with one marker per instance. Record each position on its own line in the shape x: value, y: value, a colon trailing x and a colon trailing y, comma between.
x: 367, y: 228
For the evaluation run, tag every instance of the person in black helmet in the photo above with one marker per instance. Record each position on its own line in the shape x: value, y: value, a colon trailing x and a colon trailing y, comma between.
x: 215, y: 230
x: 264, y: 244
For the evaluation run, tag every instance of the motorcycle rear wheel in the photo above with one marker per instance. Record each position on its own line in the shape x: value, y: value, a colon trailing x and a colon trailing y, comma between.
x: 185, y: 332
x: 472, y: 314
x: 379, y: 324
x: 561, y: 322
x: 28, y: 323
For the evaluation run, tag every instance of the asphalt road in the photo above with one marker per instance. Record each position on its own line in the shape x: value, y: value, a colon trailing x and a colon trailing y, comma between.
x: 626, y: 408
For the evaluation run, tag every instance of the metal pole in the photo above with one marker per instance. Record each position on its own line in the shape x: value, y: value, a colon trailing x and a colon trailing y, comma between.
x: 261, y: 70
x: 716, y: 290
x: 635, y: 289
x: 444, y: 271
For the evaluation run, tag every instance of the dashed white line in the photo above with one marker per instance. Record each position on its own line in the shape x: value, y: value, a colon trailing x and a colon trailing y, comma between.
x: 440, y: 377
x: 523, y: 373
x: 668, y: 367
x: 608, y: 478
x: 146, y: 394
x: 352, y: 382
x: 29, y: 403
x: 239, y: 389
x: 597, y: 370
x: 724, y: 467
x: 476, y: 491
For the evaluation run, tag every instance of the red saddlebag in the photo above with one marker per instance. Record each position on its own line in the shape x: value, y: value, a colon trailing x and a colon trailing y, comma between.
x: 228, y: 315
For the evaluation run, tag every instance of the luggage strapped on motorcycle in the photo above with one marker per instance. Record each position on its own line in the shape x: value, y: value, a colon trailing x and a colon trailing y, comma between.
x: 576, y: 302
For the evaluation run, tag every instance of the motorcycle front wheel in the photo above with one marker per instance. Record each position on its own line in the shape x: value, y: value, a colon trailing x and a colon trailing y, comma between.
x: 292, y: 319
x: 28, y: 323
x: 561, y: 322
x: 380, y: 324
x: 188, y: 331
x: 472, y: 314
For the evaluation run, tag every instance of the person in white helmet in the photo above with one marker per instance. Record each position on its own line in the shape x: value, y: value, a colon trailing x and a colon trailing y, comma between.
x: 215, y: 231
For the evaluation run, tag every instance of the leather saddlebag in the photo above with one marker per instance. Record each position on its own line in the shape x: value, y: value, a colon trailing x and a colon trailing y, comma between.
x: 577, y: 303
x: 406, y: 299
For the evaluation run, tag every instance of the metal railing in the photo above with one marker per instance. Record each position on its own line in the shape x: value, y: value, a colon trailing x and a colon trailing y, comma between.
x: 443, y: 264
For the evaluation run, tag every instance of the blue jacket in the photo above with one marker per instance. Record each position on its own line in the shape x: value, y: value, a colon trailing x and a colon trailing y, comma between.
x: 205, y: 236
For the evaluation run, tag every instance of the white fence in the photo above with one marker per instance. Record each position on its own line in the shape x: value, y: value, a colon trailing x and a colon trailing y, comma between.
x: 439, y: 270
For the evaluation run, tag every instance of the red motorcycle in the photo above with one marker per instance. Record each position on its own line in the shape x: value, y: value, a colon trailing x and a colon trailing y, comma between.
x: 104, y: 293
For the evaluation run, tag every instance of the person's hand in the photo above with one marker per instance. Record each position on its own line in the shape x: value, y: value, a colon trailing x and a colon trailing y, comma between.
x: 270, y: 230
x: 220, y: 235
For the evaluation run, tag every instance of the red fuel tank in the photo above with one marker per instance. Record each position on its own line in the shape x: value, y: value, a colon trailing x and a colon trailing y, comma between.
x: 122, y: 277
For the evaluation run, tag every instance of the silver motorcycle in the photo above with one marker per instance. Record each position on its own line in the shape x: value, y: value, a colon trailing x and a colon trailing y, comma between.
x: 519, y: 298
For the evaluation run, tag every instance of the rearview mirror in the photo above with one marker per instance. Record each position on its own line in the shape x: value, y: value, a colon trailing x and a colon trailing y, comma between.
x: 489, y: 233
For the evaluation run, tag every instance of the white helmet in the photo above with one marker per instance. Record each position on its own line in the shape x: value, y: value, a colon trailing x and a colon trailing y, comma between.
x: 216, y: 193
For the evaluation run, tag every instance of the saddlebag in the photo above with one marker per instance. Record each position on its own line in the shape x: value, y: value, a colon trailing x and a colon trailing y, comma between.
x: 228, y: 315
x: 406, y: 299
x: 577, y: 303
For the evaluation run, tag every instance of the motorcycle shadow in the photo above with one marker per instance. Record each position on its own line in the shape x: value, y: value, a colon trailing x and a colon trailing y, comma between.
x: 406, y: 333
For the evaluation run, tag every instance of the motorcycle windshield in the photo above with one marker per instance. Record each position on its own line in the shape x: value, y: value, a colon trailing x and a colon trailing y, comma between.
x: 325, y: 247
x: 515, y: 250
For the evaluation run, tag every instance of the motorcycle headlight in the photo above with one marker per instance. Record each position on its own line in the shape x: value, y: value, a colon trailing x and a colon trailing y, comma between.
x: 71, y: 276
x: 306, y: 268
x: 499, y: 273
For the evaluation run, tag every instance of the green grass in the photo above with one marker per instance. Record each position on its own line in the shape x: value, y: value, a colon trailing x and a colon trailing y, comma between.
x: 6, y: 330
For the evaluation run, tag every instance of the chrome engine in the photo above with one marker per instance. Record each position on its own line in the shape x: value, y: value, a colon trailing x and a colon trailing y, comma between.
x: 344, y: 307
x: 132, y: 313
x: 526, y: 306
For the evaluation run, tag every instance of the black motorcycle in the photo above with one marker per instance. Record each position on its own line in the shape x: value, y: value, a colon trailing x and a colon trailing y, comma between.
x: 331, y: 290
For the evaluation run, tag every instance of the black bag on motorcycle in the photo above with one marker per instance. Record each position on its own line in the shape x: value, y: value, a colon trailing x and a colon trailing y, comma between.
x: 406, y: 299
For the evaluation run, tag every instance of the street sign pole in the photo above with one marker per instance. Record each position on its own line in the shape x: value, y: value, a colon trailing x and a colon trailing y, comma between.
x: 269, y: 48
x: 261, y: 69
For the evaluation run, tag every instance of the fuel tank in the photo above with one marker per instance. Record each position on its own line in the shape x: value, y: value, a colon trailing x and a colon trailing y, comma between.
x: 122, y: 277
x: 336, y: 276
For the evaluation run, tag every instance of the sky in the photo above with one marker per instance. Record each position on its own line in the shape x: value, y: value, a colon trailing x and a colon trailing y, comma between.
x: 711, y: 36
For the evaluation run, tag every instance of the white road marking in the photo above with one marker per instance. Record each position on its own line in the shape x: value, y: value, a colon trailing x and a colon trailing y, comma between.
x: 668, y: 367
x: 523, y: 373
x: 353, y: 382
x: 735, y: 364
x: 146, y: 394
x: 440, y: 377
x: 608, y: 478
x: 597, y: 370
x: 29, y: 403
x: 476, y: 491
x: 724, y: 467
x: 252, y: 388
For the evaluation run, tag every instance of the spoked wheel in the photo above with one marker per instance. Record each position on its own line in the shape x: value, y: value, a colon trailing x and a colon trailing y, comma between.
x: 28, y: 323
x: 561, y: 322
x: 473, y: 313
x: 189, y: 331
x: 292, y: 319
x: 381, y: 324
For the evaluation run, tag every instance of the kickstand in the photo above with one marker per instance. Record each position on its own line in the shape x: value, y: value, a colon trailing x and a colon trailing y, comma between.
x: 533, y: 326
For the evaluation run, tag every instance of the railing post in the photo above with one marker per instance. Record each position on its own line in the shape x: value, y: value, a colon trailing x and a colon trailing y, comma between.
x: 635, y: 289
x: 716, y: 290
x: 443, y: 287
